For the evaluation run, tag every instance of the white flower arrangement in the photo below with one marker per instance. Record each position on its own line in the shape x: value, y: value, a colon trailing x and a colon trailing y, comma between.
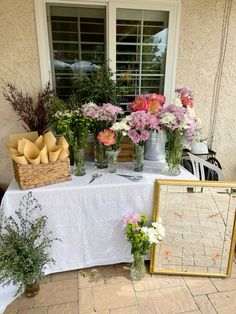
x: 155, y: 233
x: 122, y: 126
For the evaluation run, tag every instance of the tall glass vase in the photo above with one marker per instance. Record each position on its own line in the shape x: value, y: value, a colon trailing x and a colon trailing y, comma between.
x: 79, y: 162
x: 138, y: 269
x: 138, y: 157
x: 100, y: 156
x: 112, y: 158
x: 175, y: 142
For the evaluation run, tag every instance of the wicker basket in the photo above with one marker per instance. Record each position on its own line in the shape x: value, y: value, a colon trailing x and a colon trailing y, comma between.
x: 32, y: 176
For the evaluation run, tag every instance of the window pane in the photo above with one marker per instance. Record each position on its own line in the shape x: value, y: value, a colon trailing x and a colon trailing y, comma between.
x: 77, y: 43
x: 141, y: 43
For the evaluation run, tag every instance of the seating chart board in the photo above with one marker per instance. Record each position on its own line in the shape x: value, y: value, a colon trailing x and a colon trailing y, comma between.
x: 199, y: 218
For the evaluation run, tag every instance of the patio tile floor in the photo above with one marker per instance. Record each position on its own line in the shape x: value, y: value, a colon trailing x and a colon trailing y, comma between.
x: 108, y: 290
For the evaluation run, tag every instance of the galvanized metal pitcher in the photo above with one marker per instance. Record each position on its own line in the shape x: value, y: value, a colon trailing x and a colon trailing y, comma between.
x: 155, y: 146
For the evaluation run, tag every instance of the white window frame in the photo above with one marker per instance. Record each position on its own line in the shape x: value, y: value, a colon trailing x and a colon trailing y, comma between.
x: 172, y: 6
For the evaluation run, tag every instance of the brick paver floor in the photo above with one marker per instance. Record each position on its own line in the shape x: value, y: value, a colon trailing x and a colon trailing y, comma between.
x: 109, y: 290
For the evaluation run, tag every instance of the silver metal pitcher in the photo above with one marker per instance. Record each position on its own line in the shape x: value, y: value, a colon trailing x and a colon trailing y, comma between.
x: 155, y: 146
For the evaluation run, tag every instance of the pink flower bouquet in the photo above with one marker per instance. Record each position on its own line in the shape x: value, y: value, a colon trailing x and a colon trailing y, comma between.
x: 102, y: 116
x: 186, y: 96
x: 141, y: 123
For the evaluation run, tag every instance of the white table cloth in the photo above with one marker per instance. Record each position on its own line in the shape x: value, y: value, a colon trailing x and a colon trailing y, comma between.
x: 88, y: 217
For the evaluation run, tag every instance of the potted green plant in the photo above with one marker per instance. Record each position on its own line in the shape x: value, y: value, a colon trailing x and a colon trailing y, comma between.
x: 99, y: 87
x: 24, y: 247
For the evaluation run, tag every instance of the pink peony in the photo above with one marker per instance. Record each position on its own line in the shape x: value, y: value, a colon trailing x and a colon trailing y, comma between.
x: 155, y: 103
x: 140, y: 103
x: 107, y: 137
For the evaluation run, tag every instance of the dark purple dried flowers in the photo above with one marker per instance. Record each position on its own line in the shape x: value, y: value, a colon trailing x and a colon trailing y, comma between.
x: 33, y: 114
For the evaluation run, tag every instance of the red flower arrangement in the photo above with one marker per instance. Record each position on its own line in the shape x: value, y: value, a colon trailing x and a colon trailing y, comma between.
x: 151, y: 103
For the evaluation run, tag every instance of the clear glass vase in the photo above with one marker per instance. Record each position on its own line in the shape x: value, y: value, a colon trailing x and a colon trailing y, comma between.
x: 100, y: 156
x: 79, y: 162
x: 112, y: 158
x: 175, y: 142
x: 32, y: 290
x: 138, y: 157
x: 138, y: 269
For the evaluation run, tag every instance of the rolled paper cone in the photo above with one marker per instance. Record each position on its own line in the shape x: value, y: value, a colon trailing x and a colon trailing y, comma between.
x: 31, y: 152
x: 20, y: 159
x: 50, y: 140
x: 31, y: 136
x: 21, y: 145
x: 63, y: 154
x: 44, y: 155
x: 39, y: 142
x: 11, y: 145
x: 35, y: 161
x: 54, y: 153
x: 14, y: 151
x: 63, y: 142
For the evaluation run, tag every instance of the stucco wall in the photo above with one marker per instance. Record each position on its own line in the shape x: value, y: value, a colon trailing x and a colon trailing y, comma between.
x: 19, y: 65
x: 198, y: 56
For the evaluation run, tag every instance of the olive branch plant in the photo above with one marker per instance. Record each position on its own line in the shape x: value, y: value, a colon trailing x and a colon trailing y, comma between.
x: 24, y: 244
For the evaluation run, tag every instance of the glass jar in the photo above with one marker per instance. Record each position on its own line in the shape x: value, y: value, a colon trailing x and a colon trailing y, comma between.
x: 100, y: 156
x: 79, y: 162
x: 138, y: 157
x: 112, y: 158
x: 175, y: 142
x: 138, y: 269
x: 32, y: 289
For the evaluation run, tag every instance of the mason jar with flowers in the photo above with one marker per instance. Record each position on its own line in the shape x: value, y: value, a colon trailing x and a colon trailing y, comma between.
x: 103, y: 117
x: 141, y: 123
x: 75, y: 127
x: 141, y: 234
x: 181, y: 126
x: 154, y: 148
x: 111, y: 139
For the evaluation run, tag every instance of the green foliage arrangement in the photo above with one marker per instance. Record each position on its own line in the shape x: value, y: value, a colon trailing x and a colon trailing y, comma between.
x: 99, y: 87
x: 24, y: 244
x: 140, y: 243
x: 73, y: 125
x: 33, y: 114
x: 141, y: 233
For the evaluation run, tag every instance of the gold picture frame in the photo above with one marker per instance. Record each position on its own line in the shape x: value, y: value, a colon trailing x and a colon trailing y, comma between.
x: 200, y: 222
